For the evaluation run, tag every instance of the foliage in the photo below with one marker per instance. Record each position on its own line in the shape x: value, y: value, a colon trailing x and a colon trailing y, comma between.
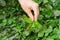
x: 15, y: 24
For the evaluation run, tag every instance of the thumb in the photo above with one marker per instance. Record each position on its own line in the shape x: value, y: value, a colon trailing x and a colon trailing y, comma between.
x: 29, y: 13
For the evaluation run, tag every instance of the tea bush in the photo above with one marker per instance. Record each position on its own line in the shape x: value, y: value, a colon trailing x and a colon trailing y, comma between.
x: 16, y: 25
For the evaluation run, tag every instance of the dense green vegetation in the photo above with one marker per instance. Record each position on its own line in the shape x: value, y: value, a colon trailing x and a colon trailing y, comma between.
x: 16, y: 25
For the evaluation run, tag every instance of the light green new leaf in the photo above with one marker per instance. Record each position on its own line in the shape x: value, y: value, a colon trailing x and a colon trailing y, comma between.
x: 28, y: 20
x: 45, y: 1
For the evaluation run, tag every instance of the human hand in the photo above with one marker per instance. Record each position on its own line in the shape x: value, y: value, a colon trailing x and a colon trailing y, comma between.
x: 28, y: 6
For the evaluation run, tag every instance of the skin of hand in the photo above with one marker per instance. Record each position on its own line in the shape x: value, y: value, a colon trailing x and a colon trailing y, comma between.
x: 28, y: 6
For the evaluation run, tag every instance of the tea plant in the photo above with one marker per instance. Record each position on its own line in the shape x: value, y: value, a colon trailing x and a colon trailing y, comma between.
x: 16, y: 25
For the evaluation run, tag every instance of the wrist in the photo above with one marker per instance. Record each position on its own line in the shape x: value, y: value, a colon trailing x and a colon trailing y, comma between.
x: 20, y: 1
x: 23, y: 0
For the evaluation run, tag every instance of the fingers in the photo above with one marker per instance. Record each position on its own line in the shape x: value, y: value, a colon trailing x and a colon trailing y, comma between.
x: 29, y: 13
x: 28, y: 6
x: 36, y: 12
